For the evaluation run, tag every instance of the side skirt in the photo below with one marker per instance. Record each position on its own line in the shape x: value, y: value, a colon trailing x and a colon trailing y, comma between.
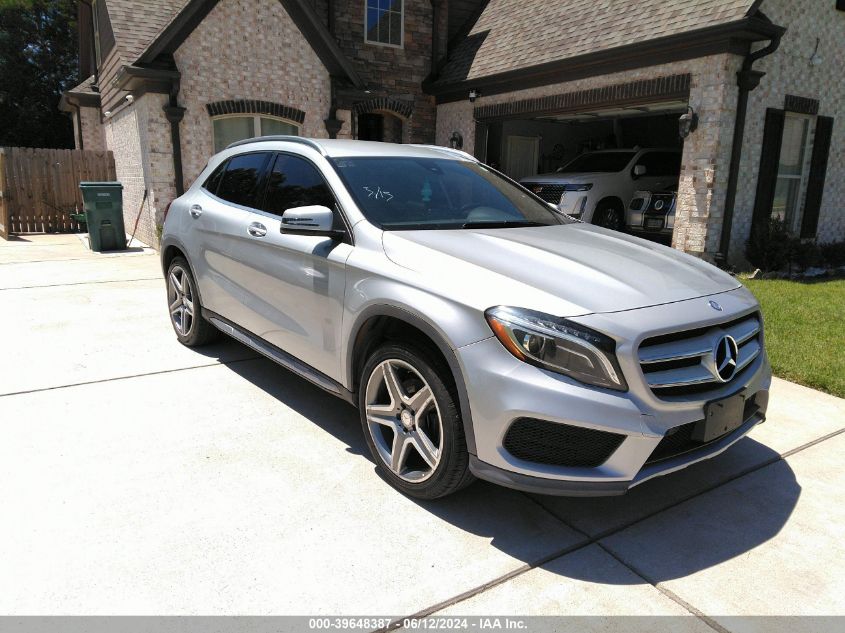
x: 280, y: 357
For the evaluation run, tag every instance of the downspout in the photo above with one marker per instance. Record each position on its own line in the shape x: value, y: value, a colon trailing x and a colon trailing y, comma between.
x: 78, y: 121
x: 175, y: 113
x: 747, y: 80
x: 435, y: 16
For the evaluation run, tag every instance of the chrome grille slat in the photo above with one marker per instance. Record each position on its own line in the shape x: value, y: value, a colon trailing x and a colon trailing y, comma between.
x: 747, y: 354
x: 742, y: 332
x: 695, y: 375
x: 669, y: 364
x: 690, y: 348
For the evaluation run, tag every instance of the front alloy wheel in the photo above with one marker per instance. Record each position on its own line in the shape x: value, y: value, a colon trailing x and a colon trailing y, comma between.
x: 412, y: 421
x: 404, y: 421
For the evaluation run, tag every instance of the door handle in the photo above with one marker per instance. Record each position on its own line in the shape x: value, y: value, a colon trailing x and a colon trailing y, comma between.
x: 195, y: 211
x: 256, y: 229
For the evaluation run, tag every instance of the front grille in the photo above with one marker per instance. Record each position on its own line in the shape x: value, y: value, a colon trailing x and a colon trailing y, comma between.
x: 662, y: 200
x: 683, y: 363
x: 550, y: 193
x: 545, y: 442
x: 678, y: 440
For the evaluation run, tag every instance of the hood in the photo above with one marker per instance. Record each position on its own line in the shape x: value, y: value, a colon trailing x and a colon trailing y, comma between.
x: 563, y: 177
x: 567, y: 270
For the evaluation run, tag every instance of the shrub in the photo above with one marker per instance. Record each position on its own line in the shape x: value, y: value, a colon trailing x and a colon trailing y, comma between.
x: 833, y: 253
x: 806, y: 254
x: 770, y: 247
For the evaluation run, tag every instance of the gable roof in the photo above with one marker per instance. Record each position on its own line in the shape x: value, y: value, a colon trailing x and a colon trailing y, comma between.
x: 144, y: 29
x: 136, y: 23
x: 512, y: 35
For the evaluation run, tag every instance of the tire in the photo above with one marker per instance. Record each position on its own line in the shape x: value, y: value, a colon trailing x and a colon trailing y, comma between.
x: 191, y: 328
x: 610, y: 216
x: 426, y: 390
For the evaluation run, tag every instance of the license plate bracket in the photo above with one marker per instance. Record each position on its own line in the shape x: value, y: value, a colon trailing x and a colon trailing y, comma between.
x: 654, y: 224
x: 720, y: 417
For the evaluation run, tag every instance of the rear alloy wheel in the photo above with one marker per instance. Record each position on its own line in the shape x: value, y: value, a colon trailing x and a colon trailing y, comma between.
x: 412, y: 425
x: 609, y: 216
x: 184, y: 306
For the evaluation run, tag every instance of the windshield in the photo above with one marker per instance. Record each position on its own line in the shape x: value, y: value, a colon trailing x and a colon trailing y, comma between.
x: 398, y: 193
x: 598, y: 161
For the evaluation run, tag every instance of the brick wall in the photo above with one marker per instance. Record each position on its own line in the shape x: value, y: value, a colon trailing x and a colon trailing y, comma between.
x: 789, y: 71
x: 706, y: 156
x: 393, y: 72
x: 125, y: 136
x: 246, y: 49
x: 92, y: 129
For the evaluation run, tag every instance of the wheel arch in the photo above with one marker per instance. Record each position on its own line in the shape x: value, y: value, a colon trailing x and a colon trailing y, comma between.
x: 172, y: 249
x: 614, y: 200
x: 379, y: 323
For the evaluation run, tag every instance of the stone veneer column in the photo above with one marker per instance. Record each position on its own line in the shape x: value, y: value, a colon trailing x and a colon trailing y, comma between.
x: 707, y: 151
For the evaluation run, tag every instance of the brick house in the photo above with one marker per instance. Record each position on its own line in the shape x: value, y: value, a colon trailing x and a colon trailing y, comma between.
x: 170, y: 82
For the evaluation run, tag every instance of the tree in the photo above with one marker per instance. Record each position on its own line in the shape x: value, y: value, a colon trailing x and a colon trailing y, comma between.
x: 38, y: 62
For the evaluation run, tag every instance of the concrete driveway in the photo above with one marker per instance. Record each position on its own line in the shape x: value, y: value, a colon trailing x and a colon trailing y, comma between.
x: 140, y: 477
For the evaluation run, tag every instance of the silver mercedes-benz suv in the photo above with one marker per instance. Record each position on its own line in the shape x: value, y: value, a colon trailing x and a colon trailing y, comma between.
x: 480, y: 332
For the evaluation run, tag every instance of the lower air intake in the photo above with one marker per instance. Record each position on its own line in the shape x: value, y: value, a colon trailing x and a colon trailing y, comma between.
x: 545, y: 442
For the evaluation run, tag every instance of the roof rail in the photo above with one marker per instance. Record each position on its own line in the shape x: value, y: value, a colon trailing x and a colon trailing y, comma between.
x: 281, y: 137
x: 446, y: 150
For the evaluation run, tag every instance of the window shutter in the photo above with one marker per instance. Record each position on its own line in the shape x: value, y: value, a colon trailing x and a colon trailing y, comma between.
x: 815, y: 182
x: 768, y: 174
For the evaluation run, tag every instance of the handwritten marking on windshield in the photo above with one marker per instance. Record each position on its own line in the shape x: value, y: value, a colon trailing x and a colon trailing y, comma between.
x: 379, y: 194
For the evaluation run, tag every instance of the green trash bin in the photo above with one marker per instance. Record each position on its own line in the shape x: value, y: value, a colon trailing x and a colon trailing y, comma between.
x: 103, y: 202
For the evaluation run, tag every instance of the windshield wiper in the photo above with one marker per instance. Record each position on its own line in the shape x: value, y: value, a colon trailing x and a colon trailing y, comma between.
x: 501, y: 224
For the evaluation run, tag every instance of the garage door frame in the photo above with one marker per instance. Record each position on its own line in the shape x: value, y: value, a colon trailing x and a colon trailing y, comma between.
x: 642, y: 92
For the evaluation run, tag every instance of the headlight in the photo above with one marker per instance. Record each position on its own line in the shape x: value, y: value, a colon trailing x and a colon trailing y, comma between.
x: 637, y: 204
x: 558, y: 345
x: 586, y: 187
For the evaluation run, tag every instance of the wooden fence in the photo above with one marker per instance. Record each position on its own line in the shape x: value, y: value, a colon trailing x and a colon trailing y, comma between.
x: 39, y: 188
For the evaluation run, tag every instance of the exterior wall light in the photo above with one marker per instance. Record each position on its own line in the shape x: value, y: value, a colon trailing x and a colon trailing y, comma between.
x: 456, y: 141
x: 474, y: 94
x: 688, y: 123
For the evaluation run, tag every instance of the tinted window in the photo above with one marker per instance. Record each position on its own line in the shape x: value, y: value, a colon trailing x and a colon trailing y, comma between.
x: 433, y: 193
x: 294, y: 182
x: 598, y: 161
x: 241, y: 178
x: 214, y: 179
x: 661, y: 163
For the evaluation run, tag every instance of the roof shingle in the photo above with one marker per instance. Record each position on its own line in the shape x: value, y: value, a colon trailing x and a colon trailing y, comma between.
x: 514, y: 34
x: 136, y: 23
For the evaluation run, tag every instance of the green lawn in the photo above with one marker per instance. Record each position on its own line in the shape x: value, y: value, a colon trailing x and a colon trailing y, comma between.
x: 805, y: 331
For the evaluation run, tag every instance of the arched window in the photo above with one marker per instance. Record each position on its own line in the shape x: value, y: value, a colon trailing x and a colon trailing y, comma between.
x: 229, y: 128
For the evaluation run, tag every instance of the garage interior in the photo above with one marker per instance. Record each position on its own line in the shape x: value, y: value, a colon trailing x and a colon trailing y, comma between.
x: 529, y: 144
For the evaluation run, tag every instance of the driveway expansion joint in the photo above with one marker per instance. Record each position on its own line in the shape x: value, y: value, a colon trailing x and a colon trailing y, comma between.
x: 595, y: 540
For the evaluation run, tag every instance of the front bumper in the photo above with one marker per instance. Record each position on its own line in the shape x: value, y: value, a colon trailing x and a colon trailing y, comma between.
x: 502, y: 389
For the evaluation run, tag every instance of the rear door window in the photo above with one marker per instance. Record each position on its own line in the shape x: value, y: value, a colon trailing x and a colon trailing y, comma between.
x: 212, y: 183
x: 242, y: 178
x: 295, y: 182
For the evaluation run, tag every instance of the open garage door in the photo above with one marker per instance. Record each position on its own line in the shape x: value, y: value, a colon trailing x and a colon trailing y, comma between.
x: 631, y: 122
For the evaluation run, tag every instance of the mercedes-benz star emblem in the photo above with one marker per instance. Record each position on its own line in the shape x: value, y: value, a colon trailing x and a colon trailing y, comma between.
x: 658, y: 205
x: 715, y: 306
x: 725, y: 355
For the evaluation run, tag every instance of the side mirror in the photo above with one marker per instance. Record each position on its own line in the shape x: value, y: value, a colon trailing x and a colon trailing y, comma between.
x: 639, y: 170
x: 310, y: 220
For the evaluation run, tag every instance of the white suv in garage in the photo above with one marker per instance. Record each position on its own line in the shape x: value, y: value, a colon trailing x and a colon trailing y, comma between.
x: 598, y: 186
